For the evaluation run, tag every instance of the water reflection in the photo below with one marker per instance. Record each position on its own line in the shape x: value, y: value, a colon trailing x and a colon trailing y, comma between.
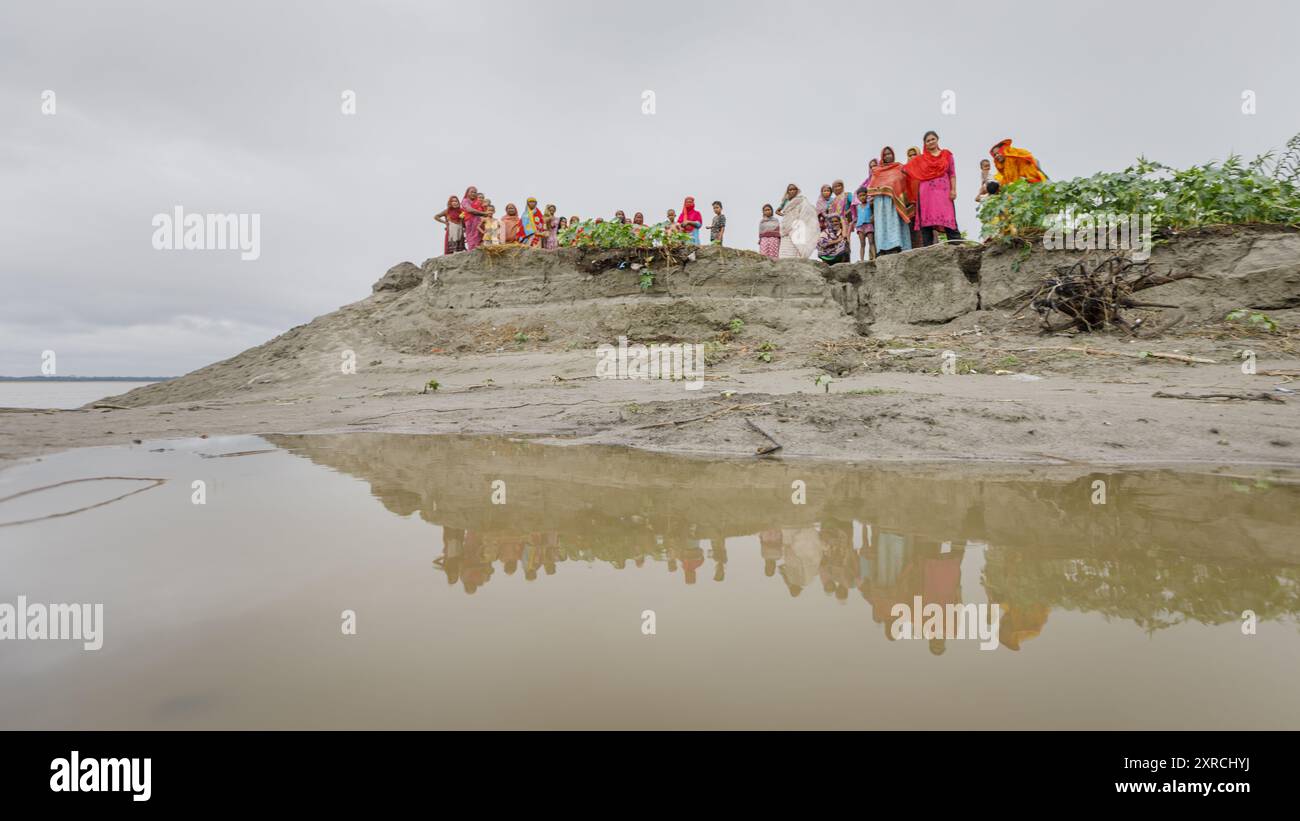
x: 1165, y: 548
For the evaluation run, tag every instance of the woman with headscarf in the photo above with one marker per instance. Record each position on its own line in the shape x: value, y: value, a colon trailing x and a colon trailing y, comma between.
x: 512, y: 229
x: 871, y: 167
x: 533, y: 225
x: 690, y: 220
x: 769, y: 234
x: 891, y: 211
x: 824, y: 195
x: 1015, y: 164
x: 454, y: 219
x: 934, y: 176
x: 475, y: 210
x: 832, y: 244
x: 912, y: 194
x: 841, y: 205
x: 799, y: 228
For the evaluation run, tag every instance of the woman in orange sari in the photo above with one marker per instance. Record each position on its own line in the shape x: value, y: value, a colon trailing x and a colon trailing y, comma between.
x: 1015, y: 164
x: 891, y: 210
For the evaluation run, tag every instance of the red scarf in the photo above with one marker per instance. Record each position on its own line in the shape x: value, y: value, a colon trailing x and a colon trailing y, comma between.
x: 689, y: 215
x: 926, y: 166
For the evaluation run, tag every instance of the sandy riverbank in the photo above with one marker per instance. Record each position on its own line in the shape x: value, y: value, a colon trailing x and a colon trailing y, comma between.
x: 1094, y: 409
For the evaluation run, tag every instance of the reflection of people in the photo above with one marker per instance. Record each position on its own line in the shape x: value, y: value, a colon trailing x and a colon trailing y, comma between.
x: 770, y: 545
x: 801, y: 557
x: 1007, y: 572
x: 719, y: 556
x: 839, y: 562
x: 941, y: 583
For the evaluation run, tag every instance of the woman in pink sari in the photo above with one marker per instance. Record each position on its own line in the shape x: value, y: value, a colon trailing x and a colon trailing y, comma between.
x: 472, y: 206
x: 934, y: 176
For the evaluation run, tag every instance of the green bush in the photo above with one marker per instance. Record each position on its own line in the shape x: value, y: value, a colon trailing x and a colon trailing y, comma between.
x: 1231, y: 192
x: 611, y: 235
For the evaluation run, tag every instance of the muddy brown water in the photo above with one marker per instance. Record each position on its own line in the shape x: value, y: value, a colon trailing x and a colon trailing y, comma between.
x: 501, y: 584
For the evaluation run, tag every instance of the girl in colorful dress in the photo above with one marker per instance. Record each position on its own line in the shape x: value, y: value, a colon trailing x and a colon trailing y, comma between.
x: 534, y: 228
x: 552, y: 223
x: 454, y: 219
x: 769, y: 234
x: 489, y: 228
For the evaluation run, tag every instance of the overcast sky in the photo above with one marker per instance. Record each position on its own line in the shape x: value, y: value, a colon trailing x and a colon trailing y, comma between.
x: 235, y: 107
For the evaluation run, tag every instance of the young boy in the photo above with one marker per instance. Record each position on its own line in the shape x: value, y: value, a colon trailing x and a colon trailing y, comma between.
x: 719, y: 225
x: 865, y: 227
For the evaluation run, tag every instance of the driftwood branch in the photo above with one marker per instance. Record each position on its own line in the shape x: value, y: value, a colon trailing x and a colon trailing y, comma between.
x: 1255, y: 397
x: 764, y: 450
x: 1091, y: 300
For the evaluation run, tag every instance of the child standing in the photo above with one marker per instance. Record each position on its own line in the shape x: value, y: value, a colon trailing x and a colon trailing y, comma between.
x: 719, y: 225
x: 490, y: 228
x: 454, y: 218
x: 769, y: 234
x: 865, y: 226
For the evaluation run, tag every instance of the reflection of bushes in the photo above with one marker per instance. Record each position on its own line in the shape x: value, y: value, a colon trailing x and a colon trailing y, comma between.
x: 1152, y: 589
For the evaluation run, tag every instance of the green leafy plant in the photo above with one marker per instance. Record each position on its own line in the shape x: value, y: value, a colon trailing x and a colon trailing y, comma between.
x: 1254, y: 319
x: 765, y: 351
x: 431, y: 385
x: 1232, y: 192
x: 613, y: 235
x: 736, y: 325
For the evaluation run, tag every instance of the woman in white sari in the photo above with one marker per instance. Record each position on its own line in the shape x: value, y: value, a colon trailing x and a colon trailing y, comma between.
x: 799, y: 229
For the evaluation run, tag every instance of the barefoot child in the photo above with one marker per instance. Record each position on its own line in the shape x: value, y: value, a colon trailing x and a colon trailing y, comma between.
x: 719, y: 225
x: 865, y: 227
x: 489, y: 228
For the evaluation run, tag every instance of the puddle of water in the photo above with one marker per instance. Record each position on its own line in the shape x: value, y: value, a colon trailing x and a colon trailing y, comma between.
x: 767, y: 613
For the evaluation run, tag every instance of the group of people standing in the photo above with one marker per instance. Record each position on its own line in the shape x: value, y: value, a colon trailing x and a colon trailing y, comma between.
x: 472, y: 221
x: 898, y: 207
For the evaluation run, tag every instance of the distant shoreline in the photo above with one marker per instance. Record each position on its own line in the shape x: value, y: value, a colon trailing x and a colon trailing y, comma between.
x: 86, y: 378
